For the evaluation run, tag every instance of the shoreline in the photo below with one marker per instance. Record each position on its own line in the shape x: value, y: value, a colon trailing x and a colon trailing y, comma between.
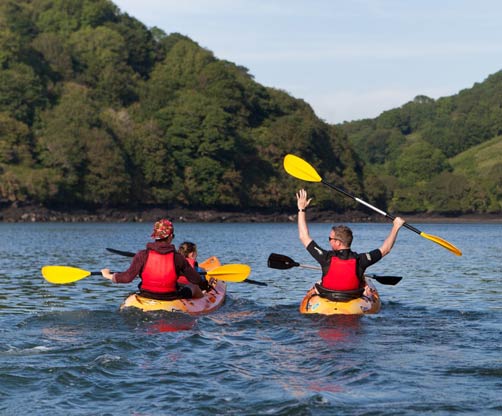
x: 33, y: 214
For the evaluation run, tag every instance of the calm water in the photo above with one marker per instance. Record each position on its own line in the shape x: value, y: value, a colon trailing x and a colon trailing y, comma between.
x: 435, y: 348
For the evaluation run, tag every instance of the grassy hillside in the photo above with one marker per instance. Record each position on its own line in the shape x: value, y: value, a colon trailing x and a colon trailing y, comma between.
x: 480, y: 161
x: 98, y: 110
x: 436, y: 155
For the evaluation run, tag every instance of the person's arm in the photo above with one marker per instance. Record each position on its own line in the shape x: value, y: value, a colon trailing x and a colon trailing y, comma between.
x: 129, y: 275
x: 303, y: 231
x: 391, y: 238
x: 184, y: 268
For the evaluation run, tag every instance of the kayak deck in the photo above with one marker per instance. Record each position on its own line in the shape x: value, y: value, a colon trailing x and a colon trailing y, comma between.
x: 211, y: 301
x: 368, y: 303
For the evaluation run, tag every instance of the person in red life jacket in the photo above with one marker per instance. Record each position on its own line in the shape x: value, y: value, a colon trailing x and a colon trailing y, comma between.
x: 189, y: 250
x: 342, y: 268
x: 159, y: 267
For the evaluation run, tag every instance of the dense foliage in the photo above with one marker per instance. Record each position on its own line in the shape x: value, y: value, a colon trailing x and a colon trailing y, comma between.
x: 98, y: 110
x: 442, y: 156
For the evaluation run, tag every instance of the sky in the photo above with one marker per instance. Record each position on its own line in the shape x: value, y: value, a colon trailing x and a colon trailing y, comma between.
x: 349, y: 59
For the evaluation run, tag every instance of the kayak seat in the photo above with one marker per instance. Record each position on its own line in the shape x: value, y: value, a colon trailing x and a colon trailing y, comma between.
x: 164, y: 296
x: 338, y: 295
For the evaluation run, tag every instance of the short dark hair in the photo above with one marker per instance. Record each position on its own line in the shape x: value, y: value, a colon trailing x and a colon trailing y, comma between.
x: 344, y: 234
x: 187, y: 247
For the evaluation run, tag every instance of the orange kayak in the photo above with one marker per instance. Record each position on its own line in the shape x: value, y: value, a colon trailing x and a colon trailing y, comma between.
x: 212, y: 299
x: 368, y: 303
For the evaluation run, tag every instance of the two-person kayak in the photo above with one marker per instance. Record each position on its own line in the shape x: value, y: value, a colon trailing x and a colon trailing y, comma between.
x: 213, y: 298
x: 368, y: 303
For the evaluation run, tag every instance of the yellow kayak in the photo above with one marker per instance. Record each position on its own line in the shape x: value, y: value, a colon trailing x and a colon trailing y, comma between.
x: 368, y: 303
x: 212, y: 299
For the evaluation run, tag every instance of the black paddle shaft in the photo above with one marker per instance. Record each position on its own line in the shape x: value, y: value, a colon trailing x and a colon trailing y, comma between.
x: 131, y: 254
x: 283, y: 262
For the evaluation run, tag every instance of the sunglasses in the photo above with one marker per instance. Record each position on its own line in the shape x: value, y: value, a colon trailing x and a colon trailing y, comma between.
x: 334, y: 238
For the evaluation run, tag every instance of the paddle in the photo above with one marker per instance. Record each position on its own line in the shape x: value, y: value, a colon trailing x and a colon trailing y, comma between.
x: 131, y: 254
x: 282, y: 262
x: 68, y: 274
x: 301, y: 169
x: 65, y: 274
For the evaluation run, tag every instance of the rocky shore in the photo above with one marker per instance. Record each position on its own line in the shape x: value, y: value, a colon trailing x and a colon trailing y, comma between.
x: 32, y: 213
x: 43, y: 214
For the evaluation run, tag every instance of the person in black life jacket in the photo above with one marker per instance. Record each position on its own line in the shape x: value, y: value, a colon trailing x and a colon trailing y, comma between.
x: 342, y: 269
x: 159, y: 267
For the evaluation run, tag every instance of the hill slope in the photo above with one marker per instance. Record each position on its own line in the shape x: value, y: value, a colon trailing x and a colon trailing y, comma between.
x: 482, y: 161
x: 436, y: 155
x: 98, y: 110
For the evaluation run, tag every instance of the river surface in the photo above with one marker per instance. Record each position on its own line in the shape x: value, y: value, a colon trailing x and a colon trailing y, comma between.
x: 434, y: 349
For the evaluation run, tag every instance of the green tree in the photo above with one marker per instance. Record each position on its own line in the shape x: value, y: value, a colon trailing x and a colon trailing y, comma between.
x: 448, y: 193
x: 98, y: 12
x: 56, y: 52
x: 105, y: 181
x: 61, y: 141
x: 408, y: 199
x: 139, y: 42
x: 495, y: 188
x: 10, y: 45
x: 15, y: 141
x: 202, y: 181
x: 420, y: 161
x: 101, y: 62
x: 378, y: 146
x: 180, y: 69
x: 15, y: 17
x: 21, y: 92
x: 57, y: 16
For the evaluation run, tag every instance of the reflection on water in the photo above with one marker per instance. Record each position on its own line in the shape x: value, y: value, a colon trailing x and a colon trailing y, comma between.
x: 339, y: 329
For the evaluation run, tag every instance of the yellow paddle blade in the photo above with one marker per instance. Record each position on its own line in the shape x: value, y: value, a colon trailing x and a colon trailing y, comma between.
x: 300, y: 169
x: 441, y: 242
x: 230, y: 272
x: 210, y: 263
x: 63, y: 274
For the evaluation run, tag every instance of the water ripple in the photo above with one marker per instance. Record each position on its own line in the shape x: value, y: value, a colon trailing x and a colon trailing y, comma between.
x: 433, y: 349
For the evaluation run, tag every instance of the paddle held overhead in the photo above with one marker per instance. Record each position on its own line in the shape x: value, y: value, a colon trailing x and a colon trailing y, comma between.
x: 300, y: 169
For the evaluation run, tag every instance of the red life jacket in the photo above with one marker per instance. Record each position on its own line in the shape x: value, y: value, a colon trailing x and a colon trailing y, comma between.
x: 182, y: 279
x: 159, y: 273
x: 342, y: 275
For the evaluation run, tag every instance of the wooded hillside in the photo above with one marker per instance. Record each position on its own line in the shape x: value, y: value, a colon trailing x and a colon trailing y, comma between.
x: 440, y: 156
x: 98, y: 110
